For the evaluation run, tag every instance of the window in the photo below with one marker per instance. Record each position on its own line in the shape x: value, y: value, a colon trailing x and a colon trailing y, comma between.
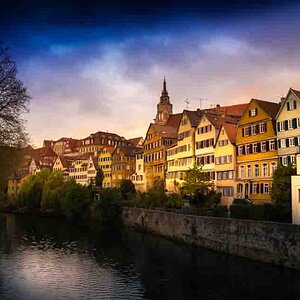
x: 266, y: 188
x: 255, y: 188
x: 249, y: 171
x: 262, y: 127
x: 281, y: 127
x: 240, y: 150
x: 253, y: 112
x: 293, y: 159
x: 247, y: 150
x: 246, y: 131
x: 290, y: 124
x: 291, y: 142
x: 254, y: 147
x: 265, y: 170
x: 273, y: 167
x: 242, y: 171
x: 272, y: 145
x: 284, y: 160
x: 256, y: 170
x: 253, y: 130
x: 263, y: 147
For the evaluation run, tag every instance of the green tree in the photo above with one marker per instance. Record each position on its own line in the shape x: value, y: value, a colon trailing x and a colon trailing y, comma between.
x: 281, y: 187
x: 107, y: 207
x: 127, y: 189
x: 53, y: 192
x: 76, y: 199
x: 31, y: 192
x: 196, y: 181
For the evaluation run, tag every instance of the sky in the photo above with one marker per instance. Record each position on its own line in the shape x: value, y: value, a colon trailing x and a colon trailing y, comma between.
x: 99, y: 65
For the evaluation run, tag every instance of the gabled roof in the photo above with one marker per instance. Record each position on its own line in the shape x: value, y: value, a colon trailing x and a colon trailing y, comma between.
x: 231, y: 130
x: 271, y: 108
x: 110, y: 149
x: 165, y: 131
x: 135, y: 141
x: 295, y: 92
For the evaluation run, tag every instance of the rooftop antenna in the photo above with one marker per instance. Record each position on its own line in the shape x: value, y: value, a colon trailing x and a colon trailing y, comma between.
x: 187, y: 102
x: 201, y: 100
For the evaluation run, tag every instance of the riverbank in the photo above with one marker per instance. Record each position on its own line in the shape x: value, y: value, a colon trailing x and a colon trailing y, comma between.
x: 270, y: 242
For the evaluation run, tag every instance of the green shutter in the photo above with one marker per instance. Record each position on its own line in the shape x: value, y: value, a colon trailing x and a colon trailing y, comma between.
x: 294, y: 122
x: 287, y: 142
x: 296, y: 140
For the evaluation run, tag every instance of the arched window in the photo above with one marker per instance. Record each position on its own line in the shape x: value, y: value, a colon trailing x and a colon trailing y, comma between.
x: 265, y: 170
x: 242, y: 171
x: 256, y: 170
x: 249, y: 171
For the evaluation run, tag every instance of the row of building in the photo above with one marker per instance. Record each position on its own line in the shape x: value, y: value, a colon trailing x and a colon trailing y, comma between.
x: 239, y: 146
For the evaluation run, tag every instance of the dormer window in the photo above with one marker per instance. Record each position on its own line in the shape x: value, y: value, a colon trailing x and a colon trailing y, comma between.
x: 253, y: 112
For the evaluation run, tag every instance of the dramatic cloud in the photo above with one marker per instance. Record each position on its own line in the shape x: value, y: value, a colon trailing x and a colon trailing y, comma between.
x: 87, y: 79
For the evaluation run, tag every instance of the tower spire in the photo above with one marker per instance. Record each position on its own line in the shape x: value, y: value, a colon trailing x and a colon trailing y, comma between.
x: 164, y: 91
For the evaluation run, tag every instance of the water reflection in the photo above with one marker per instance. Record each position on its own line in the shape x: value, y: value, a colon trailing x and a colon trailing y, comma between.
x: 51, y: 259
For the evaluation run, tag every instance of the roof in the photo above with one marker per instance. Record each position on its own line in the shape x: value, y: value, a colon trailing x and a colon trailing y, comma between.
x: 128, y: 150
x: 271, y: 108
x: 165, y: 131
x: 136, y: 141
x: 110, y: 149
x: 296, y: 93
x: 193, y: 116
x: 231, y: 130
x: 44, y: 151
x: 174, y: 120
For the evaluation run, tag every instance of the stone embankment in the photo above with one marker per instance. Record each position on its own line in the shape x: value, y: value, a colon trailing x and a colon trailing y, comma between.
x: 270, y: 242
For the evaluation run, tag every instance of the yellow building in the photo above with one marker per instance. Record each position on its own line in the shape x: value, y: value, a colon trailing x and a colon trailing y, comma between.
x: 181, y: 156
x: 15, y: 182
x: 225, y: 163
x: 104, y: 162
x: 288, y: 128
x: 207, y: 131
x: 257, y: 153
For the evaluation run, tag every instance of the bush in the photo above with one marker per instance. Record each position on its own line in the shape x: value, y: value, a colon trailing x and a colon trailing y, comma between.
x: 278, y: 213
x: 127, y: 189
x: 174, y: 201
x: 239, y: 211
x: 107, y: 207
x: 256, y: 212
x: 220, y: 211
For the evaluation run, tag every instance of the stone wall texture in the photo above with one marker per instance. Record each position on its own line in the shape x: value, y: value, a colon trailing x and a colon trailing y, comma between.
x: 270, y: 242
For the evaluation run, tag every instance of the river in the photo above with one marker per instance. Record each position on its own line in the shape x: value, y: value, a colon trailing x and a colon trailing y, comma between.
x: 44, y: 258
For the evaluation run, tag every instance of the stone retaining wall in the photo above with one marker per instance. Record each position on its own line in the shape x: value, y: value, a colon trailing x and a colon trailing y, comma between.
x: 270, y: 242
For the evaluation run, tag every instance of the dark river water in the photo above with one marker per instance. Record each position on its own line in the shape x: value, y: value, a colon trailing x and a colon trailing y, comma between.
x: 54, y: 259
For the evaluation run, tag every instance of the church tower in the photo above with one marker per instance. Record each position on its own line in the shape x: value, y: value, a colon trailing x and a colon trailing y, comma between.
x: 164, y: 107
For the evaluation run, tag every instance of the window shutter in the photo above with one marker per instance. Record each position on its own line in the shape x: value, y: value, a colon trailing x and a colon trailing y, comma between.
x: 267, y: 145
x: 249, y: 113
x: 257, y: 129
x: 256, y: 111
x: 295, y: 104
x: 243, y: 147
x: 294, y: 121
x: 261, y: 188
x: 286, y: 125
x: 243, y: 132
x: 288, y: 105
x: 288, y: 159
x: 250, y: 188
x: 296, y: 141
x: 265, y: 127
x: 250, y: 148
x: 278, y: 126
x: 287, y: 142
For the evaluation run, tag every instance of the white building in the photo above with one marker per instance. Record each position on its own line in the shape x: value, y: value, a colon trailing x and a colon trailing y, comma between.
x: 296, y: 194
x: 138, y: 177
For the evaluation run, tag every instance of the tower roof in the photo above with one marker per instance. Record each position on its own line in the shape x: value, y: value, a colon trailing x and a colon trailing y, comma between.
x: 164, y: 92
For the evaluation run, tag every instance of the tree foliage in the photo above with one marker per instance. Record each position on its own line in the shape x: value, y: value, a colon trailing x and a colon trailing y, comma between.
x: 13, y: 103
x: 127, y: 189
x: 197, y: 181
x: 31, y: 192
x: 281, y: 187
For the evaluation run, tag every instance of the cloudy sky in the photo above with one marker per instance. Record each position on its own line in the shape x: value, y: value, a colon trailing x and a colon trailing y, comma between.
x: 99, y: 65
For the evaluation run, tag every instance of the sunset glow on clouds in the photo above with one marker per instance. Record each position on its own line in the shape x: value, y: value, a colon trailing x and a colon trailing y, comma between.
x: 90, y: 77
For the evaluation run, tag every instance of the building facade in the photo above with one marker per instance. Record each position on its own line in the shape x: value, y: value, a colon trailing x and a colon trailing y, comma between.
x: 288, y: 128
x: 138, y: 177
x: 181, y: 156
x: 104, y: 162
x: 257, y: 153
